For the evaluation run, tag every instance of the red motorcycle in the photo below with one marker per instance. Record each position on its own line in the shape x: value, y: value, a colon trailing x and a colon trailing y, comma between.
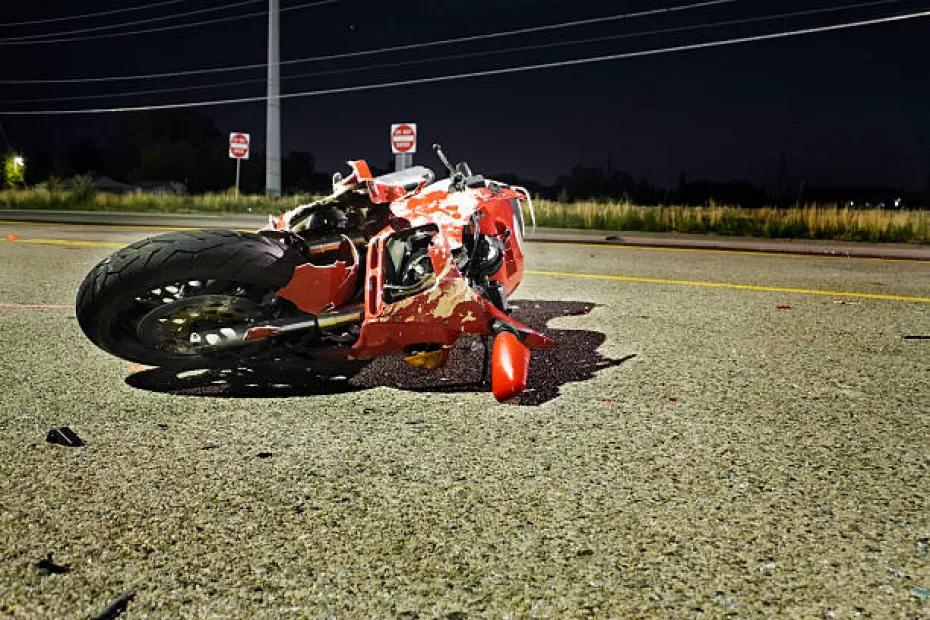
x: 397, y: 263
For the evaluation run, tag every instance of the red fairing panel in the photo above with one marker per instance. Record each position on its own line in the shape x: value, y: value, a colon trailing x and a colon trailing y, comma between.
x: 313, y: 288
x: 448, y: 211
x: 438, y: 315
x: 510, y: 364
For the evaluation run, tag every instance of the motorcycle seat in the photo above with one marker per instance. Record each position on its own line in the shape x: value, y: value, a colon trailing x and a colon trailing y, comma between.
x: 409, y: 178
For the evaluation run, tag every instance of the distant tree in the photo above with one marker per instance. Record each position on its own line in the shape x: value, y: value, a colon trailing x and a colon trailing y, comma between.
x: 86, y: 158
x: 40, y: 166
x: 14, y: 173
x: 298, y: 170
x: 167, y: 161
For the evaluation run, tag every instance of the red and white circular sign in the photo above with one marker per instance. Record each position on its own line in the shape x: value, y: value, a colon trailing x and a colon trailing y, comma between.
x: 404, y: 138
x: 238, y: 145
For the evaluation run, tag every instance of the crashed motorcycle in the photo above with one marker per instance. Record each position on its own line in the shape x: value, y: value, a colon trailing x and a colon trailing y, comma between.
x: 394, y: 264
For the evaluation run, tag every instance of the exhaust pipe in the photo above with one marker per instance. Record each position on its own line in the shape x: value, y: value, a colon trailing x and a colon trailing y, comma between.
x: 224, y: 337
x: 322, y: 322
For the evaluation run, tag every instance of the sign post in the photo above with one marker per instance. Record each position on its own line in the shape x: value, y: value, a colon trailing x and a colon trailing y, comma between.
x: 403, y: 144
x: 238, y: 150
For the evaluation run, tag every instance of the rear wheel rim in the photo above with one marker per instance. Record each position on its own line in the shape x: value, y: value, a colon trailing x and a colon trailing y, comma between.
x: 194, y: 317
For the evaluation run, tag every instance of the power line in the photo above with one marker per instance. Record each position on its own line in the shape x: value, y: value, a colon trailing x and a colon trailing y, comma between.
x: 490, y: 35
x: 50, y: 20
x: 150, y: 20
x: 166, y: 28
x: 490, y: 72
x: 522, y: 48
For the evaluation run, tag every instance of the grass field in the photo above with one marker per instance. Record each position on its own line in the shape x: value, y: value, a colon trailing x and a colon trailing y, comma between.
x: 804, y: 222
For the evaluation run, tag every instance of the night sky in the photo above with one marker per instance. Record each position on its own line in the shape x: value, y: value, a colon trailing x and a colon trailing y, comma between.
x: 846, y: 108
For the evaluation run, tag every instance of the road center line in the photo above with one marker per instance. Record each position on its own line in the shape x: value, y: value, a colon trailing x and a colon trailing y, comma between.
x: 114, y: 227
x: 772, y: 253
x: 614, y: 246
x: 591, y: 276
x: 36, y: 306
x: 68, y: 243
x: 726, y: 285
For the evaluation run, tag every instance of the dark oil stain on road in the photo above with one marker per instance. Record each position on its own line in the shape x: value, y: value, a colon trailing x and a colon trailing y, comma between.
x: 574, y: 358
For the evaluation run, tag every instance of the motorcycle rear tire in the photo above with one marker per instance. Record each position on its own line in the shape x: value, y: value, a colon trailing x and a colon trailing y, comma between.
x: 105, y: 307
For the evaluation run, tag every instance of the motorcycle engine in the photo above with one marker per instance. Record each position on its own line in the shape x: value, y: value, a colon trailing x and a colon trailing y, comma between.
x: 409, y: 268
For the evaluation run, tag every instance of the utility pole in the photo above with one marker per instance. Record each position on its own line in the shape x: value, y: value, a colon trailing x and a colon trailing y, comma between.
x: 273, y: 126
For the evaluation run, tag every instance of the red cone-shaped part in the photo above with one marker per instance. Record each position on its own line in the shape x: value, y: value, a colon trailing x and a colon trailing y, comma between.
x: 510, y: 364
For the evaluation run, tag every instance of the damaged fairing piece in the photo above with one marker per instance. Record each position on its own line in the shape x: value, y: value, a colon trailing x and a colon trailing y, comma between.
x: 392, y: 264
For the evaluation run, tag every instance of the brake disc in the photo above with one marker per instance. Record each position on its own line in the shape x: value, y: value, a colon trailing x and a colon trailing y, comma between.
x: 192, y: 325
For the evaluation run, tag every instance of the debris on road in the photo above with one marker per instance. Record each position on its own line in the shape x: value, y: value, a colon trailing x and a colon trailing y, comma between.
x: 47, y: 566
x: 579, y: 312
x: 916, y: 337
x: 607, y: 400
x: 116, y: 608
x: 846, y: 302
x: 923, y: 545
x: 210, y: 446
x: 64, y: 436
x: 11, y: 237
x: 784, y: 307
x: 264, y: 455
x: 921, y: 593
x: 673, y: 399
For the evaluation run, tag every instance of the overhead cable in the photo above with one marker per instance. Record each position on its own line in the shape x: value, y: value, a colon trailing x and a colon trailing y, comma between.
x: 203, y: 22
x: 464, y: 39
x: 489, y: 72
x: 49, y: 20
x: 449, y: 57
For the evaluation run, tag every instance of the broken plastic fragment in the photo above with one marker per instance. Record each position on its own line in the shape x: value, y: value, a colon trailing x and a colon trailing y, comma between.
x: 64, y: 436
x: 579, y: 311
x: 46, y: 566
x: 116, y: 608
x: 783, y: 307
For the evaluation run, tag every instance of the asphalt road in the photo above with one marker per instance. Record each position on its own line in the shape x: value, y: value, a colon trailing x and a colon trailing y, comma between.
x: 716, y: 434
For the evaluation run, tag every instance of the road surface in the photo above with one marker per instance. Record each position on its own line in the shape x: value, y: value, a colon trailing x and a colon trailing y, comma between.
x: 717, y: 433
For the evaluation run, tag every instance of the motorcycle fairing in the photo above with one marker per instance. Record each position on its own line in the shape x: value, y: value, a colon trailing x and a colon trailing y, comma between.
x: 314, y: 288
x: 437, y: 315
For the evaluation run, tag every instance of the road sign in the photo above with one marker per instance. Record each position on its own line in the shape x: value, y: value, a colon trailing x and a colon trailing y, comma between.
x: 404, y: 138
x: 238, y: 145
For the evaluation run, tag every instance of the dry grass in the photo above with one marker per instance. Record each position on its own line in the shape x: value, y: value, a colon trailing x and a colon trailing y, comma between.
x: 809, y: 221
x: 145, y: 203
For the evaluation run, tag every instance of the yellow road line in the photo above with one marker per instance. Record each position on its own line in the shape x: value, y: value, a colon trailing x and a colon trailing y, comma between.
x: 655, y: 248
x: 726, y: 285
x: 580, y: 244
x: 68, y: 242
x: 36, y: 306
x: 588, y: 276
x: 99, y: 225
